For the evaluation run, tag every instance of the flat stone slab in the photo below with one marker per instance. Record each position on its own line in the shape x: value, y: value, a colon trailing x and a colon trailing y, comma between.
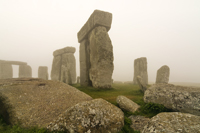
x: 12, y: 62
x: 97, y: 18
x: 64, y: 50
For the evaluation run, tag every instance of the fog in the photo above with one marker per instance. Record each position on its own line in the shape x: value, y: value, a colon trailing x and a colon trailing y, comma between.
x: 167, y: 32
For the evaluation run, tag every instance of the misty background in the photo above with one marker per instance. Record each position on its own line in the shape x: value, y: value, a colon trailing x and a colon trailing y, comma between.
x: 167, y: 32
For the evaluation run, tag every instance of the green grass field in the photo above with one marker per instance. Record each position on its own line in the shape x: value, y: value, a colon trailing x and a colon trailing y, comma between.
x: 130, y: 91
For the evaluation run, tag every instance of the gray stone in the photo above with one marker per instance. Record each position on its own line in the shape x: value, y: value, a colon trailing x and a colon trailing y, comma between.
x: 84, y: 57
x: 178, y: 98
x: 95, y: 116
x: 25, y: 71
x: 140, y: 69
x: 6, y: 71
x: 78, y: 80
x: 97, y: 18
x: 101, y: 58
x: 143, y: 87
x: 13, y: 62
x: 138, y: 122
x: 173, y: 122
x: 127, y: 104
x: 64, y: 50
x: 56, y: 68
x: 163, y: 74
x: 43, y: 72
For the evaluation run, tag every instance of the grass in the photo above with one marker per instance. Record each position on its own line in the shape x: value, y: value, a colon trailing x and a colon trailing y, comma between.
x: 130, y: 91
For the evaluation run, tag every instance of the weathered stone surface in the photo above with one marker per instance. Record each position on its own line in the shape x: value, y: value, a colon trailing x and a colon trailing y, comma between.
x: 36, y: 102
x: 140, y: 69
x: 68, y: 68
x: 78, y: 80
x: 163, y: 74
x: 56, y: 68
x: 178, y: 98
x: 143, y: 87
x: 174, y: 122
x: 6, y: 71
x: 101, y: 58
x: 95, y: 116
x: 43, y: 72
x: 97, y: 18
x: 84, y: 57
x: 64, y: 50
x: 25, y: 71
x: 13, y: 62
x: 127, y: 104
x: 138, y: 122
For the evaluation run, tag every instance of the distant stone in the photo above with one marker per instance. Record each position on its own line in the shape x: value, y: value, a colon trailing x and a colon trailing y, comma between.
x: 36, y: 102
x: 78, y: 80
x: 95, y: 116
x: 43, y: 72
x: 101, y: 58
x: 163, y: 74
x: 138, y: 122
x: 140, y: 69
x: 64, y: 50
x: 127, y: 104
x: 97, y: 18
x: 173, y: 122
x: 178, y: 98
x: 6, y: 71
x: 25, y: 71
x: 143, y: 87
x: 56, y: 68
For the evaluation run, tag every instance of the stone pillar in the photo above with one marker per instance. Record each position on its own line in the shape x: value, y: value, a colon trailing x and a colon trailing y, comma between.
x: 96, y: 51
x: 43, y: 72
x: 64, y: 65
x: 140, y: 69
x: 163, y: 74
x: 25, y: 71
x: 6, y: 71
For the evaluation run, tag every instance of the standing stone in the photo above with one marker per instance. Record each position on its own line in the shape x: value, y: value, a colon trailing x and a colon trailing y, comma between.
x: 101, y: 58
x: 64, y: 65
x: 78, y: 80
x: 25, y: 71
x: 143, y: 87
x: 43, y: 72
x: 163, y: 74
x: 6, y: 71
x: 140, y: 69
x: 96, y: 51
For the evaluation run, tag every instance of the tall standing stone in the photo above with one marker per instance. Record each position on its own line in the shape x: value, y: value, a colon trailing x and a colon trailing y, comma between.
x: 6, y: 71
x: 43, y: 72
x: 163, y: 74
x: 140, y: 69
x: 96, y: 51
x: 64, y: 65
x: 25, y: 71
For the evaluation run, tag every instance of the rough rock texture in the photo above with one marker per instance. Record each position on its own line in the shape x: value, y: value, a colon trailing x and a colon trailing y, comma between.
x: 78, y: 80
x: 56, y: 68
x: 25, y: 71
x: 174, y: 122
x: 64, y: 50
x: 36, y: 102
x: 140, y: 69
x: 84, y: 57
x: 138, y: 122
x: 143, y: 87
x: 101, y: 58
x: 95, y: 116
x: 6, y: 71
x: 178, y: 98
x: 127, y: 104
x: 97, y: 18
x: 163, y: 74
x: 43, y: 72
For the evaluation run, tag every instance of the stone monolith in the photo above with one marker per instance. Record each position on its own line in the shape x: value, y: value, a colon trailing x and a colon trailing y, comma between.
x: 6, y: 71
x: 96, y: 51
x: 43, y: 72
x: 140, y: 69
x: 25, y: 71
x: 163, y: 74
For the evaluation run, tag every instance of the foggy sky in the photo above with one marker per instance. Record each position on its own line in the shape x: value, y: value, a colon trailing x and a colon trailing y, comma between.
x: 167, y: 32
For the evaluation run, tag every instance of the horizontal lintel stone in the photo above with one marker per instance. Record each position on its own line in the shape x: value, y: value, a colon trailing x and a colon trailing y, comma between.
x: 97, y: 18
x: 64, y: 50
